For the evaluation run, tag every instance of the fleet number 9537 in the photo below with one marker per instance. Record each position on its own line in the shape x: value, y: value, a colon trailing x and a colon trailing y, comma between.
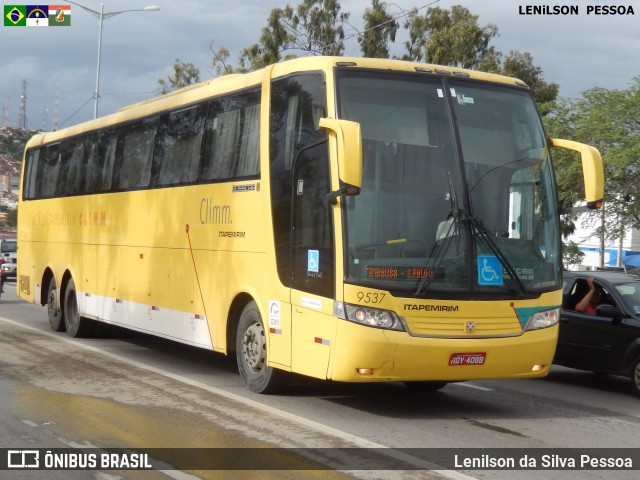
x: 370, y: 297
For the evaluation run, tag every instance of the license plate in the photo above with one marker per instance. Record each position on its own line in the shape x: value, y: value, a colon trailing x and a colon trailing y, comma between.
x: 476, y: 358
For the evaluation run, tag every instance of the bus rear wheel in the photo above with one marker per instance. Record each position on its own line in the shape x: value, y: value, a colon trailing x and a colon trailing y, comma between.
x: 53, y: 309
x: 76, y: 325
x: 251, y: 354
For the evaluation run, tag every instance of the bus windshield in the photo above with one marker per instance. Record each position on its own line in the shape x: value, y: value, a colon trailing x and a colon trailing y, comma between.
x: 457, y: 189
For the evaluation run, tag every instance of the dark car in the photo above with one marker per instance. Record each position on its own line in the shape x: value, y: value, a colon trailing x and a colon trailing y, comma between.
x: 608, y: 340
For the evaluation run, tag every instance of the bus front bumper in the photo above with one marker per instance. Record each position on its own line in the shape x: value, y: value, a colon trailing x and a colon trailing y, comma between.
x: 365, y: 354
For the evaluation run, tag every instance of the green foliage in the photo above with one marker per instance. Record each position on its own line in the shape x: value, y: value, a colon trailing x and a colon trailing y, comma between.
x: 453, y: 37
x: 449, y: 37
x: 571, y: 255
x: 520, y: 65
x: 12, y: 216
x: 313, y: 27
x: 184, y: 74
x: 610, y: 121
x: 379, y: 29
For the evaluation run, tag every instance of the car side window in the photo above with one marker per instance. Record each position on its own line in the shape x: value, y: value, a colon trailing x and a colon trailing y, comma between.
x: 580, y: 289
x: 576, y: 293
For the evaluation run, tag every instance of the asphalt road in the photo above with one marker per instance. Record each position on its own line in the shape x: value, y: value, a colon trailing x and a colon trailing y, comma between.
x: 124, y: 389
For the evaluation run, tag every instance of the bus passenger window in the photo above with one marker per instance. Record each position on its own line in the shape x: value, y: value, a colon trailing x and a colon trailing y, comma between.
x: 232, y: 138
x: 108, y: 148
x: 180, y: 146
x: 135, y: 169
x: 48, y: 171
x: 70, y: 175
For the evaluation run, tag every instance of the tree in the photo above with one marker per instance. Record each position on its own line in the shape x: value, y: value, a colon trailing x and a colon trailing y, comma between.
x: 610, y: 121
x: 571, y: 255
x: 560, y: 122
x: 380, y: 28
x: 449, y: 37
x: 275, y: 39
x: 318, y: 27
x: 520, y: 65
x: 313, y: 27
x: 184, y: 74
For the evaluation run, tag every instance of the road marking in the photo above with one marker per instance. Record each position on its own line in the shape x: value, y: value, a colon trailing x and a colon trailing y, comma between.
x: 471, y: 385
x: 358, y: 441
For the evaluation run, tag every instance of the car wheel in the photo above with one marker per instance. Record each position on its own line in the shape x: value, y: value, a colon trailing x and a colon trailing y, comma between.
x: 635, y: 376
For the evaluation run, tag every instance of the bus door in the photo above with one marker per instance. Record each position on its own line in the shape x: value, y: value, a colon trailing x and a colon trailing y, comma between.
x: 313, y: 259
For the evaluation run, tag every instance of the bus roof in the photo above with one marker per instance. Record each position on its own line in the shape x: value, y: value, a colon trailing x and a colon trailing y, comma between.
x: 239, y: 81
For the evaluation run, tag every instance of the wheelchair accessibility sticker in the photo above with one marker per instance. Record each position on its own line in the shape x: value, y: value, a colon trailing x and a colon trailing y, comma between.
x: 489, y: 270
x: 313, y: 261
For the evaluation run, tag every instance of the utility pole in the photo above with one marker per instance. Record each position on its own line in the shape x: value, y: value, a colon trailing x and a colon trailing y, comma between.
x: 56, y: 107
x: 5, y: 113
x: 22, y: 110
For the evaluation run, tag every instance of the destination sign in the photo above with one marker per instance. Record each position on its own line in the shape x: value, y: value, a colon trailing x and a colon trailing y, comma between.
x: 402, y: 272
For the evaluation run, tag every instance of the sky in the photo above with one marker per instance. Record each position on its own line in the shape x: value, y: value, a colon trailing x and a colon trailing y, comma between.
x: 578, y: 52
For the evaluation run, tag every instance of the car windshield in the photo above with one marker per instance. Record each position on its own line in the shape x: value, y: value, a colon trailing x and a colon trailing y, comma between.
x: 9, y: 246
x: 457, y: 190
x: 630, y: 294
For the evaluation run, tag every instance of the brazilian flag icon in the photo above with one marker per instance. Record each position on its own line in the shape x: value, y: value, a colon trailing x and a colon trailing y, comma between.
x: 15, y: 15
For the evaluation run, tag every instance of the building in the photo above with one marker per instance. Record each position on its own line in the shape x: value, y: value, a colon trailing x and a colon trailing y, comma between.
x: 624, y: 252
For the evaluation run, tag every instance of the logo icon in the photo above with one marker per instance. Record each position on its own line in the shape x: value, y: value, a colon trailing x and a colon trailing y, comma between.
x: 470, y: 326
x: 23, y: 459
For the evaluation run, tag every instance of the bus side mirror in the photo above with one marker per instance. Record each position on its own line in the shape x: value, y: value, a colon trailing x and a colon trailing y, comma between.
x: 349, y: 146
x: 592, y: 171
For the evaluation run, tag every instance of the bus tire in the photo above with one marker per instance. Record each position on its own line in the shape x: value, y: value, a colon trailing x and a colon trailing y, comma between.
x: 54, y: 312
x: 76, y: 325
x: 251, y: 354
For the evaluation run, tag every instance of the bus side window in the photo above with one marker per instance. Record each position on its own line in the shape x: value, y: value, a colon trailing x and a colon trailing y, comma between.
x: 31, y: 174
x: 249, y: 152
x: 92, y: 167
x: 134, y: 171
x: 107, y: 150
x: 48, y: 170
x: 232, y: 138
x: 180, y: 146
x: 71, y: 155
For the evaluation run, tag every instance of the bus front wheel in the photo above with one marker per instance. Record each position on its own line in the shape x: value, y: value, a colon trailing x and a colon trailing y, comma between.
x: 251, y: 354
x: 53, y: 309
x: 76, y: 325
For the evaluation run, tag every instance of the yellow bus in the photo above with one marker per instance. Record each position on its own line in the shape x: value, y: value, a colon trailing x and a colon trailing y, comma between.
x: 352, y: 219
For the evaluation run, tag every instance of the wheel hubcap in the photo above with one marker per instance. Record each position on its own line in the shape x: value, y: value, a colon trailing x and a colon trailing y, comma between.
x: 51, y: 304
x: 254, y: 347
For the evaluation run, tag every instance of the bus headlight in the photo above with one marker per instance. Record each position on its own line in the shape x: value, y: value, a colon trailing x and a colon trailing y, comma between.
x: 371, y: 317
x: 544, y: 319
